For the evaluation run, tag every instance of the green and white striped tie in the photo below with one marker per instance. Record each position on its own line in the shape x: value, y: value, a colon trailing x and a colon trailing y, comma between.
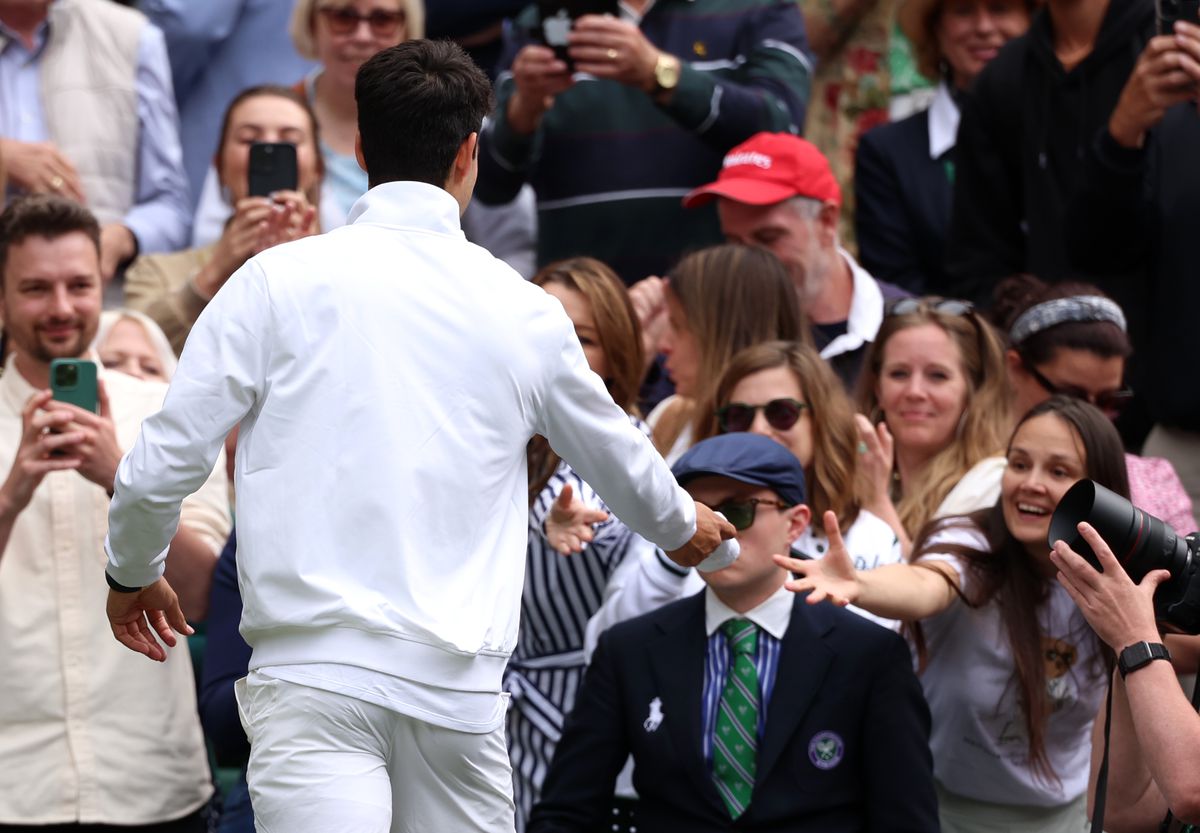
x: 735, y: 742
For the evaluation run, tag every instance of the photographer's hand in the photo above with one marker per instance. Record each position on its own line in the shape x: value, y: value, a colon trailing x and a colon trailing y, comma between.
x: 1119, y: 611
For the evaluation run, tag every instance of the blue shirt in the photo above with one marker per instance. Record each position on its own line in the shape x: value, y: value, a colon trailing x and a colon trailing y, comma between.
x: 772, y: 618
x: 160, y: 218
x: 219, y: 48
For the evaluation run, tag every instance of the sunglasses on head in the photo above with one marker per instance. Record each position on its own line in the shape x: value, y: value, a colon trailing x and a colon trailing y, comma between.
x: 343, y: 20
x: 946, y: 306
x: 1111, y: 402
x: 781, y: 415
x: 741, y: 513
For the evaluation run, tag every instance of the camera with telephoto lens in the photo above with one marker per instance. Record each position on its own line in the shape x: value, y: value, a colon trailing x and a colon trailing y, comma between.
x: 1141, y: 543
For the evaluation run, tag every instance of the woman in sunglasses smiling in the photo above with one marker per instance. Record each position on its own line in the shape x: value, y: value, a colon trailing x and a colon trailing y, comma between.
x: 786, y: 391
x: 1070, y: 339
x: 341, y: 35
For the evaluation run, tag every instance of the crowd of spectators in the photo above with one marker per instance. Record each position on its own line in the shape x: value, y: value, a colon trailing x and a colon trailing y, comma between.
x: 883, y: 350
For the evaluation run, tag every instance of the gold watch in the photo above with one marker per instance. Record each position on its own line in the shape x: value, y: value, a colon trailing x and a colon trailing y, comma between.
x: 666, y: 73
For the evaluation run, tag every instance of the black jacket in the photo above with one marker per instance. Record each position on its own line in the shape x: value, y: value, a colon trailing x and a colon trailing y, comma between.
x: 1025, y: 130
x: 902, y: 206
x: 1136, y: 216
x: 838, y: 673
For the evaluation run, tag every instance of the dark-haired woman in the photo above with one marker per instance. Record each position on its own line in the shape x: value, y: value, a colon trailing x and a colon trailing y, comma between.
x: 1070, y: 338
x: 562, y: 593
x: 1012, y: 672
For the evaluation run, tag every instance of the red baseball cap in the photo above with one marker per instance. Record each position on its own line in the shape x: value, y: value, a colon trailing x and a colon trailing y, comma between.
x: 768, y: 168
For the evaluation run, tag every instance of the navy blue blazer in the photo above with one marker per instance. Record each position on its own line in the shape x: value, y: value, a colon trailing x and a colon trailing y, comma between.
x: 845, y: 748
x: 902, y: 207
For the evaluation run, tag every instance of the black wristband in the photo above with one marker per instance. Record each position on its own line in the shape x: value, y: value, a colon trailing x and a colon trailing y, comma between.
x: 120, y: 588
x: 1139, y: 655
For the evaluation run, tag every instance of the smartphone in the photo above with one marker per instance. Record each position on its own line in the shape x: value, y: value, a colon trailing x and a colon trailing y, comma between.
x: 556, y: 17
x: 272, y: 168
x: 74, y: 381
x: 1169, y: 11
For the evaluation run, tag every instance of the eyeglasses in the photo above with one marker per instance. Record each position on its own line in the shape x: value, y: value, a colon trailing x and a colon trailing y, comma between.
x: 1111, y: 402
x: 946, y: 306
x: 343, y: 20
x: 741, y: 513
x: 781, y: 415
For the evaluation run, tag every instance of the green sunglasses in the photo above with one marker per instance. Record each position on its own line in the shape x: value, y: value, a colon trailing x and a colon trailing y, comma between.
x: 741, y: 513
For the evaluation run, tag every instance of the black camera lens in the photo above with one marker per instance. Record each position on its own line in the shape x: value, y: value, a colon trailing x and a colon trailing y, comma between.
x: 66, y: 375
x: 1140, y: 542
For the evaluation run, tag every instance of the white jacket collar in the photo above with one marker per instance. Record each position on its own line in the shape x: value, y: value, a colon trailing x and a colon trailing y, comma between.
x: 409, y: 205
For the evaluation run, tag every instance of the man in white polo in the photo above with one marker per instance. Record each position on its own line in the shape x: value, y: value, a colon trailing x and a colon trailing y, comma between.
x: 387, y: 377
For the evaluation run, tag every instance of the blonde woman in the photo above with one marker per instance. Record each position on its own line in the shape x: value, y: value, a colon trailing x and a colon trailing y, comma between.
x: 719, y: 300
x: 341, y: 35
x: 934, y: 383
x: 786, y: 391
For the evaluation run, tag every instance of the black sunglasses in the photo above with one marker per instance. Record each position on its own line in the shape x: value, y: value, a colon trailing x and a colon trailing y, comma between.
x: 1111, y: 402
x: 946, y: 306
x: 741, y: 513
x: 781, y: 415
x: 343, y: 20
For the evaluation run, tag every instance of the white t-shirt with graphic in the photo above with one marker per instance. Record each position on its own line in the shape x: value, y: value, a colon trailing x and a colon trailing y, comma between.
x: 979, y: 743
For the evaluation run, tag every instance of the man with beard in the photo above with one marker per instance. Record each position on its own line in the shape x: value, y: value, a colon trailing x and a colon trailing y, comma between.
x: 67, y: 730
x: 776, y: 190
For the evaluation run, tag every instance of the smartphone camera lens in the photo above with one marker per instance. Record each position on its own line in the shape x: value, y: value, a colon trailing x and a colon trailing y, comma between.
x: 66, y: 375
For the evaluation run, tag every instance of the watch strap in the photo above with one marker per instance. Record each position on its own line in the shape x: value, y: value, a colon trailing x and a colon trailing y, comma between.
x: 1139, y: 655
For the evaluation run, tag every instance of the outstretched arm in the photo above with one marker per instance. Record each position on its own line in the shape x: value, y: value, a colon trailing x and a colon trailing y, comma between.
x: 894, y: 591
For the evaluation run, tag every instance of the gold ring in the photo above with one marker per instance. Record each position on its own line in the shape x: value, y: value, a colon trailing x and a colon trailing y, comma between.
x: 56, y: 183
x: 612, y: 54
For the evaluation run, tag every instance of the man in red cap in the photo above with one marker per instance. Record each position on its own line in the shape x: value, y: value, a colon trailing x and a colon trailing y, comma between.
x: 776, y: 190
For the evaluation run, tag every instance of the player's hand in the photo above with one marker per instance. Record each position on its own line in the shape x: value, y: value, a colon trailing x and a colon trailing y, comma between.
x: 136, y: 618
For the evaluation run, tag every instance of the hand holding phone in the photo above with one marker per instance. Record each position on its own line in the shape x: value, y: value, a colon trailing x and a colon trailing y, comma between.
x: 556, y: 17
x: 74, y: 383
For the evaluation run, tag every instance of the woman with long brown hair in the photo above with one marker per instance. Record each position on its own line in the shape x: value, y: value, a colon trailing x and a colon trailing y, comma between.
x: 934, y: 384
x: 1012, y: 672
x: 786, y: 391
x: 719, y: 300
x: 562, y: 593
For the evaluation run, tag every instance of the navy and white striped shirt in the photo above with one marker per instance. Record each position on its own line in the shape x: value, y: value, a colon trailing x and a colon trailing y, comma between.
x: 772, y: 618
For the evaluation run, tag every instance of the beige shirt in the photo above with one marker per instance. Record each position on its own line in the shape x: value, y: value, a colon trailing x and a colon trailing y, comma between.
x: 89, y: 730
x: 161, y: 285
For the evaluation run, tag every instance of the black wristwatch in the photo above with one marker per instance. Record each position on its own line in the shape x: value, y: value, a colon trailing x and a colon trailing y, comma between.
x: 1139, y: 655
x: 120, y: 588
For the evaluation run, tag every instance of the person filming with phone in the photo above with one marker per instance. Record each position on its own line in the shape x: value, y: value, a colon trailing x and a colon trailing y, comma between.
x: 269, y: 163
x: 613, y: 111
x: 75, y: 707
x: 1153, y: 745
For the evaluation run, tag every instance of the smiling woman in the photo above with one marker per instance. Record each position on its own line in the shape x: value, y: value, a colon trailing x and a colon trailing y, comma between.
x: 1070, y: 339
x: 1011, y: 669
x: 934, y: 383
